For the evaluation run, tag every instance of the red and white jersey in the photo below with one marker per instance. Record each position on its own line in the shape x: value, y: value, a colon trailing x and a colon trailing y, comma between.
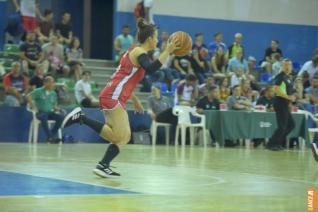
x: 122, y: 84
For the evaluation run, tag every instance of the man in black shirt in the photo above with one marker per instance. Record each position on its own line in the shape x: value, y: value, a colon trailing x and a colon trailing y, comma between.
x: 268, y: 61
x: 37, y: 80
x: 64, y: 29
x: 31, y: 53
x: 284, y: 97
x: 209, y: 102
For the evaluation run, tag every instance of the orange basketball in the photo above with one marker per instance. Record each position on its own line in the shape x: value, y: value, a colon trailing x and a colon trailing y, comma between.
x: 185, y: 43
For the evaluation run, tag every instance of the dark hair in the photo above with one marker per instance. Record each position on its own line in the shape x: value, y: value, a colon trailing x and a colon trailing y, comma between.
x: 47, y: 12
x: 315, y: 58
x: 86, y: 72
x: 73, y: 41
x: 145, y: 30
x: 47, y: 79
x: 235, y: 86
x: 217, y: 34
x: 276, y: 41
x: 125, y: 26
x: 212, y: 88
x: 191, y: 77
x: 198, y: 34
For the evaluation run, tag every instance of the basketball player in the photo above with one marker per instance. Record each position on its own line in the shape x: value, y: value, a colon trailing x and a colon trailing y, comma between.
x: 118, y: 90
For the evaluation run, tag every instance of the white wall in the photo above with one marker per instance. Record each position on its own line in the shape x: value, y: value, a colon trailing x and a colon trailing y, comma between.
x: 303, y: 12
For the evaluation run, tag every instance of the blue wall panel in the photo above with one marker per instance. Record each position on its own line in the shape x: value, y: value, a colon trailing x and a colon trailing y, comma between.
x: 3, y: 7
x: 296, y: 41
x: 15, y: 122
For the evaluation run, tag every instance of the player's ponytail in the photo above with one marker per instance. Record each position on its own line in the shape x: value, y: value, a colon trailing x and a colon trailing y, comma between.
x: 145, y: 30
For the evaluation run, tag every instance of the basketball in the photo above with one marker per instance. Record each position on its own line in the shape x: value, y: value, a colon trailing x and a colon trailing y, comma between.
x: 185, y: 43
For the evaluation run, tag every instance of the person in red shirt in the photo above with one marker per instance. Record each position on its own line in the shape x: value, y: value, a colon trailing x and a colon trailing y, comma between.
x: 15, y: 86
x: 118, y: 90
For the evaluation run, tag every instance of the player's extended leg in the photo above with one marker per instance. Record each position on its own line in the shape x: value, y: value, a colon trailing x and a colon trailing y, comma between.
x: 117, y: 131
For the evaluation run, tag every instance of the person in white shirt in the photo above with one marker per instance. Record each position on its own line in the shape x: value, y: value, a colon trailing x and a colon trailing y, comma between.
x: 54, y: 53
x: 83, y: 91
x: 28, y: 10
x: 148, y: 7
x: 311, y: 67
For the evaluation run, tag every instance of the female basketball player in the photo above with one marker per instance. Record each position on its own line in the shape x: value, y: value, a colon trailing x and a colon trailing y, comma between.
x: 118, y: 90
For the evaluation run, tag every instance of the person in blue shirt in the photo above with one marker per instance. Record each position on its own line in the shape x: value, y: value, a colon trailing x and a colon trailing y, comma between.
x: 123, y: 42
x: 218, y: 37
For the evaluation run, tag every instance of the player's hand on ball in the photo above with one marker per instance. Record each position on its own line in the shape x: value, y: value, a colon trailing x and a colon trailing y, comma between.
x: 173, y: 44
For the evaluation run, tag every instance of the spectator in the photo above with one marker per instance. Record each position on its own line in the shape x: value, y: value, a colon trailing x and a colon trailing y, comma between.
x: 312, y: 91
x: 187, y: 91
x: 251, y: 62
x: 204, y: 88
x: 157, y: 103
x: 247, y: 91
x: 236, y: 101
x: 160, y: 108
x: 37, y: 80
x: 236, y: 46
x: 224, y: 89
x: 123, y: 42
x: 2, y: 71
x: 148, y: 8
x: 277, y: 64
x: 183, y: 65
x: 199, y: 60
x: 64, y: 29
x: 28, y: 10
x: 212, y: 47
x: 163, y: 41
x: 45, y: 27
x: 266, y: 99
x: 74, y: 55
x: 31, y: 54
x: 83, y: 91
x: 15, y: 86
x: 268, y: 62
x: 209, y: 102
x: 237, y: 63
x: 166, y: 72
x: 44, y: 100
x: 54, y: 53
x: 219, y: 62
x: 311, y: 67
x: 300, y: 93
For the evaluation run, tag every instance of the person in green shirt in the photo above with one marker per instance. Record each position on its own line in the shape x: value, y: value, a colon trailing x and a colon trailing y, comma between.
x: 44, y: 100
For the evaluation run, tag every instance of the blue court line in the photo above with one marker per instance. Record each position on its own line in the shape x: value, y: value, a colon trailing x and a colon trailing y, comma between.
x: 22, y: 184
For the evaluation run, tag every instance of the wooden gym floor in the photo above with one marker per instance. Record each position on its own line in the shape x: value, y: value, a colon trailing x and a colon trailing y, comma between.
x: 47, y: 177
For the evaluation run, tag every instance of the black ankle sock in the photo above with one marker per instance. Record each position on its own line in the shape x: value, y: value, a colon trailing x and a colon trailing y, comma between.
x: 95, y: 125
x: 111, y: 152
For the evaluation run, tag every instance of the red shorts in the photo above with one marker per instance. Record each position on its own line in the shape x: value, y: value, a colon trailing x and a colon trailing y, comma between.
x: 29, y: 23
x: 110, y: 104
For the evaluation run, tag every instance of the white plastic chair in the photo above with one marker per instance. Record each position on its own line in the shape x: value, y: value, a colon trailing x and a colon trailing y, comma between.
x: 35, y: 124
x: 154, y: 127
x: 315, y: 119
x: 184, y: 122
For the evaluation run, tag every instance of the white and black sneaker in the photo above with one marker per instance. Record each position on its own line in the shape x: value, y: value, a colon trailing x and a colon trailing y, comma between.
x: 73, y: 117
x: 104, y: 171
x: 314, y: 149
